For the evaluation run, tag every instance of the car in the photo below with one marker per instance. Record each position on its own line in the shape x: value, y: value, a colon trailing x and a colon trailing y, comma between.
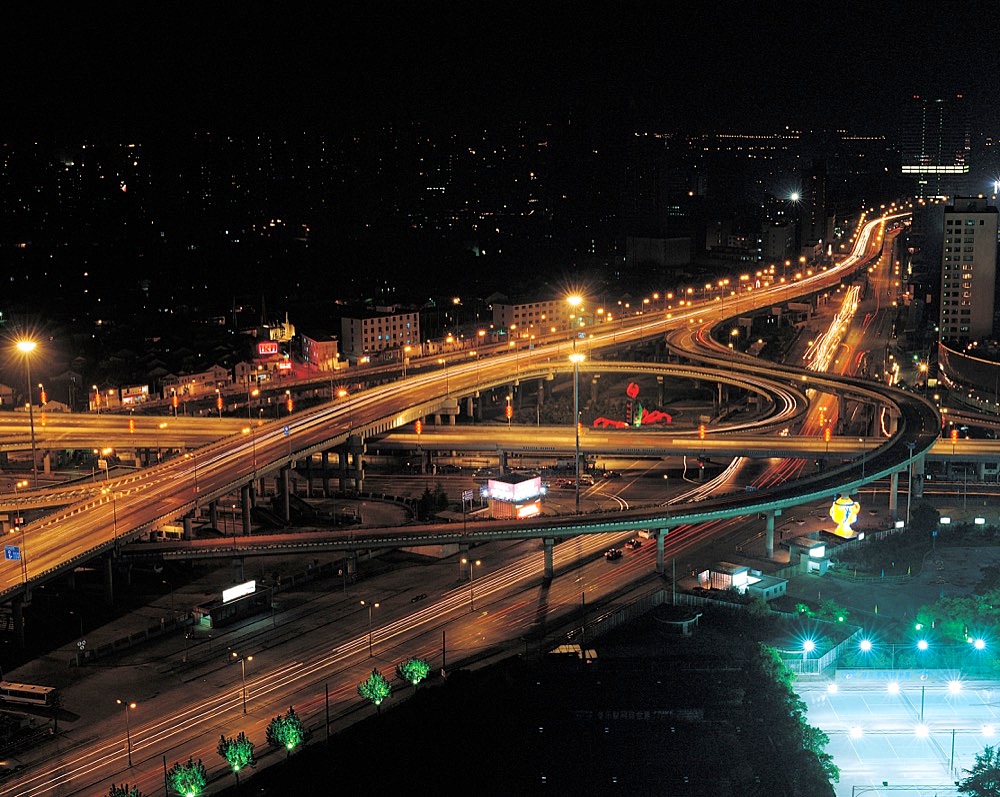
x: 565, y: 485
x: 612, y: 474
x: 419, y: 597
x: 634, y: 543
x: 586, y: 478
x: 613, y: 553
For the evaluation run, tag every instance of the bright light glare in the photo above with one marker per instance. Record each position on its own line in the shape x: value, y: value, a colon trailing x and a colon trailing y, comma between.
x: 856, y: 732
x: 865, y: 645
x: 922, y: 644
x: 832, y: 689
x: 893, y: 688
x: 808, y: 646
x: 954, y: 687
x: 922, y: 731
x: 979, y: 644
x: 988, y: 730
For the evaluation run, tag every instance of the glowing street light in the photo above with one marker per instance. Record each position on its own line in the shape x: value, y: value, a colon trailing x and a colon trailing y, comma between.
x: 243, y: 666
x: 472, y: 581
x: 128, y: 706
x: 370, y: 607
x: 26, y: 347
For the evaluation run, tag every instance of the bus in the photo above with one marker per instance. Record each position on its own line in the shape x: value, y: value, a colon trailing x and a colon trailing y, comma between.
x: 29, y: 694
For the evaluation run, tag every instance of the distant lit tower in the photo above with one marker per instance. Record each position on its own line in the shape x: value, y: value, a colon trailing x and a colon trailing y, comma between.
x: 968, y: 269
x: 812, y: 212
x: 935, y: 145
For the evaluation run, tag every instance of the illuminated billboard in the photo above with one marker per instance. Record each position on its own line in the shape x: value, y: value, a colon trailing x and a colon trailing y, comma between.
x: 514, y: 492
x: 266, y: 348
x: 246, y: 588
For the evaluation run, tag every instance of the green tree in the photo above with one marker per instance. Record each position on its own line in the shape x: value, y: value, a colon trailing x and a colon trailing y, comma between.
x: 287, y: 731
x: 238, y: 753
x: 188, y: 780
x: 440, y: 497
x: 125, y: 791
x: 924, y: 517
x: 984, y: 778
x: 426, y: 504
x: 832, y: 611
x: 413, y: 670
x: 375, y: 688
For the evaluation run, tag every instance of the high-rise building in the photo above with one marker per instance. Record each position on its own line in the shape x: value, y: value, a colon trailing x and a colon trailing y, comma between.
x: 968, y: 269
x: 936, y: 145
x: 814, y: 221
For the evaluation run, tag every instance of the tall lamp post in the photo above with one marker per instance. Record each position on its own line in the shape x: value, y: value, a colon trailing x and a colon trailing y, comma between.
x: 576, y: 358
x: 243, y: 667
x: 342, y: 393
x: 472, y: 581
x: 19, y: 522
x: 128, y: 705
x: 114, y: 509
x: 26, y: 347
x: 370, y: 607
x: 909, y: 482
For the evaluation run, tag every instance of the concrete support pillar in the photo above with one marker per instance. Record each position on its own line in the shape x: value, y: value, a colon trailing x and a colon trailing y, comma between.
x: 661, y: 536
x: 479, y: 406
x: 309, y: 477
x: 188, y: 532
x: 451, y: 418
x: 470, y: 408
x: 286, y: 478
x: 502, y: 455
x: 46, y: 462
x: 894, y: 497
x: 246, y: 505
x: 659, y: 391
x: 342, y: 457
x: 325, y: 464
x: 17, y: 616
x: 437, y: 418
x: 540, y: 395
x: 547, y: 549
x: 213, y: 514
x: 357, y: 445
x: 769, y: 533
x: 919, y: 467
x: 109, y: 581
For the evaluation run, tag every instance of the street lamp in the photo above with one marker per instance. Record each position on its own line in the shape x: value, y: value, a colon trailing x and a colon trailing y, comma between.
x: 909, y: 481
x: 443, y: 361
x: 114, y: 509
x: 472, y: 581
x: 19, y: 523
x: 370, y: 607
x: 576, y: 359
x: 26, y: 347
x: 128, y: 734
x: 243, y: 667
x: 342, y: 393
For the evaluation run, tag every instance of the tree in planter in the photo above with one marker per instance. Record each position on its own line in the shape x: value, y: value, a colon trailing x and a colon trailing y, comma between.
x: 413, y: 670
x: 375, y: 688
x: 188, y: 780
x: 286, y: 731
x: 125, y: 791
x: 238, y: 753
x: 984, y: 778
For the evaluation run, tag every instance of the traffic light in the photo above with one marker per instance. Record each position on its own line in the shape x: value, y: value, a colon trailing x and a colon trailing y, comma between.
x: 509, y: 412
x: 289, y: 404
x: 954, y: 435
x: 44, y: 398
x: 173, y: 400
x: 131, y: 425
x: 826, y: 434
x: 419, y: 426
x: 218, y: 402
x: 701, y: 431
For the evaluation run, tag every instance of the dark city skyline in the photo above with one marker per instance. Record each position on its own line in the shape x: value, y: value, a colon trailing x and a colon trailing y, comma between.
x: 724, y: 67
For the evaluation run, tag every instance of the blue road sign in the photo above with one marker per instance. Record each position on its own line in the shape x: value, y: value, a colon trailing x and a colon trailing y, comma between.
x: 12, y: 553
x: 285, y: 430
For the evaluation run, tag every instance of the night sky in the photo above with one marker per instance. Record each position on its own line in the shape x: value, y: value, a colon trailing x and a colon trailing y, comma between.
x: 721, y: 66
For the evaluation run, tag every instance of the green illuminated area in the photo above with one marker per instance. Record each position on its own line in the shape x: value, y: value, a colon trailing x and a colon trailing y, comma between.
x: 376, y: 688
x: 412, y: 670
x: 188, y: 780
x: 238, y: 753
x: 286, y: 731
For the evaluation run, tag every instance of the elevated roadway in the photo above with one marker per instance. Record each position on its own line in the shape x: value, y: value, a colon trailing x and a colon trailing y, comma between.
x: 65, y: 539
